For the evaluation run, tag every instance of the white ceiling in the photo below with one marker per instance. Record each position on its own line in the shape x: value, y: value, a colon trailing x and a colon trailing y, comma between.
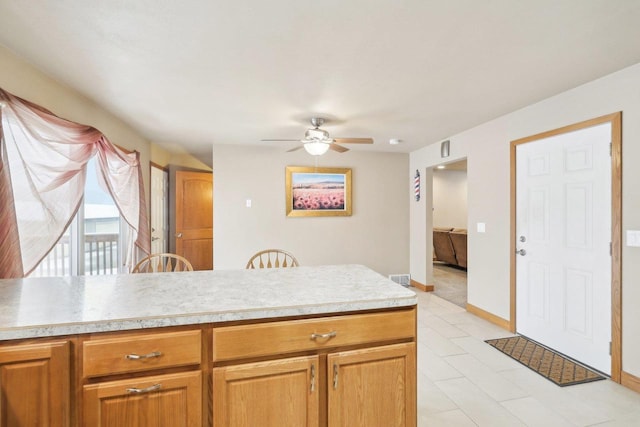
x: 203, y: 72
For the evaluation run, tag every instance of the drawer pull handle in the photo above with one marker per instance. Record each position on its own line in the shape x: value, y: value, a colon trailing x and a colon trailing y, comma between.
x: 331, y: 334
x: 136, y: 390
x: 134, y: 356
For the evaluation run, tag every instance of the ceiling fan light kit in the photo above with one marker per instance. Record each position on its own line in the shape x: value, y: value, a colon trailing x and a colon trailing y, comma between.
x: 317, y: 148
x: 317, y: 141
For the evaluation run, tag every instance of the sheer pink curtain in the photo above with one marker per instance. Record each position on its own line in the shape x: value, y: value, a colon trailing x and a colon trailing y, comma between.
x: 47, y: 158
x: 10, y: 261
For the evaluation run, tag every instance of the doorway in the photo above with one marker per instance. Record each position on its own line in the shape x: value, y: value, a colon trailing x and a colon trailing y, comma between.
x: 565, y: 233
x: 449, y: 197
x: 159, y: 209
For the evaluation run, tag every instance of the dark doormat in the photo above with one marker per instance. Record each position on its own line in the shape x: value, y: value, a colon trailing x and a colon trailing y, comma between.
x: 548, y: 363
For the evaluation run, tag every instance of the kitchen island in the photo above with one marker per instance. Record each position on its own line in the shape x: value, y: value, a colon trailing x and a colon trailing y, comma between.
x: 271, y: 347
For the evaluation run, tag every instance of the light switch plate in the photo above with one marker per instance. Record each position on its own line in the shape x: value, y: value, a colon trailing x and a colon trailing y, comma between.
x: 481, y: 227
x: 633, y: 238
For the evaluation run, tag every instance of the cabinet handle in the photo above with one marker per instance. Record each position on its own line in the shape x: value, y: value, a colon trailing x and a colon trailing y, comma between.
x: 136, y: 390
x: 335, y: 376
x: 134, y: 356
x: 331, y: 334
x: 313, y: 377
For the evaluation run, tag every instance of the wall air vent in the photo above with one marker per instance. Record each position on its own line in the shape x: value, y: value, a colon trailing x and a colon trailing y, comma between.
x: 402, y: 279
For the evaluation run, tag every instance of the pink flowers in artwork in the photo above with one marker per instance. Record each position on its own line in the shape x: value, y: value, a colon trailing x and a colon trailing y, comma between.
x: 318, y: 198
x: 322, y: 192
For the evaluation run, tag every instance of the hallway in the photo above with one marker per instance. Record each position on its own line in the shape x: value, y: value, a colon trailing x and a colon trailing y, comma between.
x: 450, y: 283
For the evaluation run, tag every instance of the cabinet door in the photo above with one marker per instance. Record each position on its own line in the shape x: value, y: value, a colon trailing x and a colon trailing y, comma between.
x: 373, y: 387
x: 279, y: 393
x: 34, y: 385
x: 172, y: 400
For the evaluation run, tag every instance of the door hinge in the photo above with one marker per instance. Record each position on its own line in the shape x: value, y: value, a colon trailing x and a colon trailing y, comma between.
x: 609, y: 348
x: 610, y: 149
x: 610, y: 249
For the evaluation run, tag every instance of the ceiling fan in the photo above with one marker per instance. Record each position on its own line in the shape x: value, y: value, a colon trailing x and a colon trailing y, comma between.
x: 317, y: 141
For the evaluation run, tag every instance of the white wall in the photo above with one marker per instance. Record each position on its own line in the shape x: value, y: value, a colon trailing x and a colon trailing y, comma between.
x: 486, y: 148
x: 449, y: 198
x: 376, y: 235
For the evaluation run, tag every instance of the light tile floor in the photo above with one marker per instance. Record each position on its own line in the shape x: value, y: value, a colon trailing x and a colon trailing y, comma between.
x: 462, y: 381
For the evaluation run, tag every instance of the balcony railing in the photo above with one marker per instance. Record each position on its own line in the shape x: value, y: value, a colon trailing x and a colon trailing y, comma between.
x: 100, y: 257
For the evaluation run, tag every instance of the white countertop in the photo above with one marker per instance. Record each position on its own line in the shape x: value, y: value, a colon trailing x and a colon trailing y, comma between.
x: 40, y: 307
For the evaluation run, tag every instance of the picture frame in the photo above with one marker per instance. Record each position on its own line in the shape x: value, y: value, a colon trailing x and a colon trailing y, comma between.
x: 314, y: 192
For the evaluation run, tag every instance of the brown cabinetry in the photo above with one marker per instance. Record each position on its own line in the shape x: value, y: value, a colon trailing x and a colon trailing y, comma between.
x: 353, y: 370
x: 172, y: 400
x: 362, y: 372
x: 372, y: 387
x: 262, y: 339
x: 140, y: 352
x: 279, y: 393
x: 147, y: 396
x: 35, y: 385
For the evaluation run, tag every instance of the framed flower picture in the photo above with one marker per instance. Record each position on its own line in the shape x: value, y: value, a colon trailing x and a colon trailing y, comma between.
x: 312, y: 191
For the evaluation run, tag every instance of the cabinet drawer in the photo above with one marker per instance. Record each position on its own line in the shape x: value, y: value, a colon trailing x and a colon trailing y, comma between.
x: 143, y: 352
x: 158, y: 400
x: 235, y: 342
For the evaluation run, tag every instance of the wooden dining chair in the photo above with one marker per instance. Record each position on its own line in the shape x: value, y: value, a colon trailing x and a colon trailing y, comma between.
x: 272, y: 258
x: 157, y: 263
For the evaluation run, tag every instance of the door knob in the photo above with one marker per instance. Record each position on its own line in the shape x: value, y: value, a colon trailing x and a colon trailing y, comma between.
x: 153, y: 239
x: 178, y: 235
x: 523, y: 239
x: 521, y: 252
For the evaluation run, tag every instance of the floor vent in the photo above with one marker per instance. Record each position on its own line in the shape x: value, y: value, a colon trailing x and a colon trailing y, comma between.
x: 402, y: 279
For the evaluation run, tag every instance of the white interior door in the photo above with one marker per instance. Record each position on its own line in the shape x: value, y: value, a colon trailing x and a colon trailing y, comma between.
x: 563, y: 231
x: 159, y: 210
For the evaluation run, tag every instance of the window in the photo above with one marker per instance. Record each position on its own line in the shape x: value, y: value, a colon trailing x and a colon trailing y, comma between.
x: 97, y: 228
x: 48, y: 156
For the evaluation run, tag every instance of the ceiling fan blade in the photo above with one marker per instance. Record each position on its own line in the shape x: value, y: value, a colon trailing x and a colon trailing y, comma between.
x: 338, y: 148
x: 278, y: 140
x: 354, y: 140
x: 295, y: 149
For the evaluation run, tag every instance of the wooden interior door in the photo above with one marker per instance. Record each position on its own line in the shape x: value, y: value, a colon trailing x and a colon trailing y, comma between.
x: 194, y: 218
x: 172, y: 400
x: 34, y: 385
x: 373, y: 387
x: 279, y: 393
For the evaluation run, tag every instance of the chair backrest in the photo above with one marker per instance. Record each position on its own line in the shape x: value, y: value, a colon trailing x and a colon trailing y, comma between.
x: 272, y: 258
x: 157, y: 263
